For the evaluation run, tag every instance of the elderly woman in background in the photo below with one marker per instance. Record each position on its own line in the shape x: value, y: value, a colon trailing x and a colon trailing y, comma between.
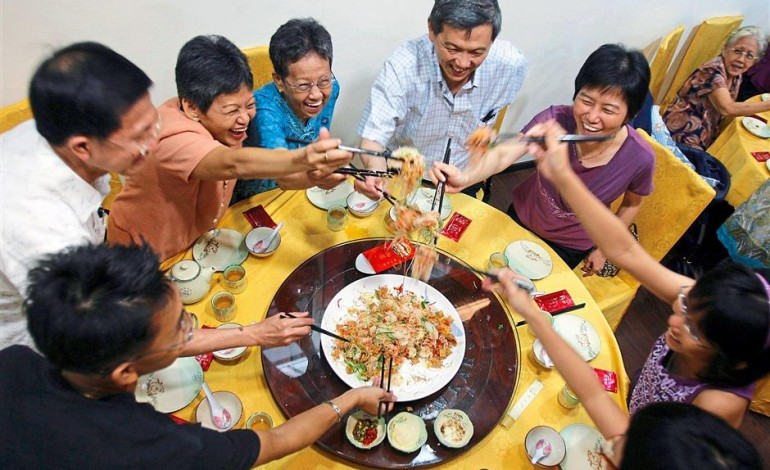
x: 711, y: 91
x: 183, y: 190
x: 298, y: 103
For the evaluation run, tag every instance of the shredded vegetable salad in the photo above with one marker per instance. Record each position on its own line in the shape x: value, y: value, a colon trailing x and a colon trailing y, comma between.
x: 397, y: 323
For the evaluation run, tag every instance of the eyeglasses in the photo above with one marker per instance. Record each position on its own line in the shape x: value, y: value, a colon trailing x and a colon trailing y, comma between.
x: 322, y: 84
x: 747, y: 54
x: 686, y: 314
x: 185, y: 327
x: 143, y: 146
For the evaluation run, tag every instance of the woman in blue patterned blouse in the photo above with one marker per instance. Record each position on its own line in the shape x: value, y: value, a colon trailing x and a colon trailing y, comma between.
x: 299, y: 101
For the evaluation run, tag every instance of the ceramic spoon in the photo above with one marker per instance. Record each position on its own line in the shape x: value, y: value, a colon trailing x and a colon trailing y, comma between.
x: 262, y: 245
x: 366, y: 207
x: 542, y: 450
x: 219, y: 415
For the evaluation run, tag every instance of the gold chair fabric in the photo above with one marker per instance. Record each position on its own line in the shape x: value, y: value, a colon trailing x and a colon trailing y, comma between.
x: 261, y: 67
x: 662, y: 61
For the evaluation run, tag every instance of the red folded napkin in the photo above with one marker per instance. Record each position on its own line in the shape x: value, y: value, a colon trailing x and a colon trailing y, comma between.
x: 387, y: 255
x: 554, y: 301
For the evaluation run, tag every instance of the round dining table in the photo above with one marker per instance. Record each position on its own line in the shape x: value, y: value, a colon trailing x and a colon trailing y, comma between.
x: 733, y: 147
x: 290, y: 279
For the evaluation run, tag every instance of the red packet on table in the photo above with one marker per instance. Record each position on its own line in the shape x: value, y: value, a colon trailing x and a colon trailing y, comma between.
x: 608, y: 379
x: 179, y: 420
x: 761, y: 156
x: 258, y: 217
x: 389, y: 254
x: 456, y: 226
x: 554, y: 301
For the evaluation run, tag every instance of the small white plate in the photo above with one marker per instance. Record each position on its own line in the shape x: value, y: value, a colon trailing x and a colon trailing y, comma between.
x: 231, y: 353
x: 579, y: 334
x: 363, y: 265
x: 172, y: 388
x: 220, y: 248
x: 324, y: 199
x: 765, y: 97
x: 767, y: 162
x: 756, y: 127
x: 423, y: 200
x: 584, y: 444
x: 529, y: 259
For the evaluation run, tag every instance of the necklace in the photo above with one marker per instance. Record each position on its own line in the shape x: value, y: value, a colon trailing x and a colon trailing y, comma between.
x: 595, y: 155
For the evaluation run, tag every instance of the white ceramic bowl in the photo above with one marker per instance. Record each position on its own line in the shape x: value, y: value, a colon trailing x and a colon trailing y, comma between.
x: 357, y: 201
x: 258, y: 234
x: 232, y: 353
x: 558, y: 447
x: 229, y: 401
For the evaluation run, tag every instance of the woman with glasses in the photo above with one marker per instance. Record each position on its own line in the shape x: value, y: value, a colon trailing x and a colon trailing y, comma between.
x: 185, y: 187
x: 711, y: 91
x: 718, y: 340
x: 298, y: 103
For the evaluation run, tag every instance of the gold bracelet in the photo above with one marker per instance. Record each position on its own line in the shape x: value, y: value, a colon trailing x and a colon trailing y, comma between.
x: 336, y: 410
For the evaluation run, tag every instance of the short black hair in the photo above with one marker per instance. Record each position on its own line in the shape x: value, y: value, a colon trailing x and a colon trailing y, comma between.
x: 465, y: 15
x: 731, y: 308
x: 84, y: 89
x: 678, y: 436
x: 297, y: 38
x: 209, y: 66
x: 90, y: 306
x: 613, y: 67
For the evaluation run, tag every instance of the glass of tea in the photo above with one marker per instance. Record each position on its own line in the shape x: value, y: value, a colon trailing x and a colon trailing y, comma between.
x: 497, y: 261
x: 336, y: 217
x: 223, y: 305
x: 235, y: 279
x: 259, y: 421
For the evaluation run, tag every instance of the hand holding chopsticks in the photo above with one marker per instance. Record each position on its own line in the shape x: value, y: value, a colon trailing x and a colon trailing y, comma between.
x: 318, y: 329
x: 527, y: 286
x: 384, y: 154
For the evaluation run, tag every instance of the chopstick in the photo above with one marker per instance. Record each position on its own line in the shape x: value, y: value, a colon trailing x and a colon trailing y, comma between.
x: 357, y: 171
x: 440, y: 187
x: 318, y: 329
x: 529, y: 287
x: 382, y: 382
x: 558, y: 312
x: 563, y: 138
x: 387, y: 154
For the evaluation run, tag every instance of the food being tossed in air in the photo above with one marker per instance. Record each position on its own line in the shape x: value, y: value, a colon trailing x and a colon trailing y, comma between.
x: 408, y: 178
x: 422, y: 265
x: 398, y: 323
x: 479, y: 141
x: 407, y: 432
x: 453, y: 428
x: 364, y: 430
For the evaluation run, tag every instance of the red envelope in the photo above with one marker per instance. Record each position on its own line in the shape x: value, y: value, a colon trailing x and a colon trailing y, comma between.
x: 608, y: 379
x: 761, y: 156
x: 387, y: 255
x: 554, y: 301
x: 258, y: 217
x: 456, y: 226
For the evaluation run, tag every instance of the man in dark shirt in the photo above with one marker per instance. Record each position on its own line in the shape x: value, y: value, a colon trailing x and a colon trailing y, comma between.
x: 103, y: 316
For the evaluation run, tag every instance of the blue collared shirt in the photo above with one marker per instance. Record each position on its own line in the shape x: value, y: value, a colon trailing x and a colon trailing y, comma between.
x: 411, y: 105
x: 273, y: 124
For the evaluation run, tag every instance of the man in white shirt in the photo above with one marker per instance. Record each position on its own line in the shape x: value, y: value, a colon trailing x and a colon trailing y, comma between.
x: 445, y: 84
x: 93, y: 115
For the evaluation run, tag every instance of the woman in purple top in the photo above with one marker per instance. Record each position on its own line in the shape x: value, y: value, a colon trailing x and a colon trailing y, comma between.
x: 718, y: 339
x: 711, y: 90
x: 609, y: 91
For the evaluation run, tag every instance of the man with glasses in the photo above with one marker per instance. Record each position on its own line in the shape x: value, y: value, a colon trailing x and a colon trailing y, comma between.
x: 92, y: 115
x: 445, y: 84
x: 103, y: 316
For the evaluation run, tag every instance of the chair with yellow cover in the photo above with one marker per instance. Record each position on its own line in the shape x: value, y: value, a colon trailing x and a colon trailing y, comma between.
x: 260, y: 64
x: 678, y: 197
x: 13, y: 115
x: 662, y: 61
x: 704, y: 44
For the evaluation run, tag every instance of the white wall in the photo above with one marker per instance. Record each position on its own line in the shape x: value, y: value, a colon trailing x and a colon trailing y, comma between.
x: 555, y: 36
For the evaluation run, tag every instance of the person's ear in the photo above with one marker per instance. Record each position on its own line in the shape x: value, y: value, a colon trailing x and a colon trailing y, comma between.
x: 431, y: 33
x: 191, y: 110
x: 80, y: 146
x: 279, y: 83
x: 125, y: 376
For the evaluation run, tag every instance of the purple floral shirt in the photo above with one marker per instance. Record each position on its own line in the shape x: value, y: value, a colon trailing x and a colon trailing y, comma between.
x: 655, y: 384
x: 692, y: 118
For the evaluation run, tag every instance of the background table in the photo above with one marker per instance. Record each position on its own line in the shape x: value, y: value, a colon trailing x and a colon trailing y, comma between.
x: 305, y: 234
x: 733, y: 147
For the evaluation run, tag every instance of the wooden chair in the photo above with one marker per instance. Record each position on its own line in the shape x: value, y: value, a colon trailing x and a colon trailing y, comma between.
x: 704, y: 44
x: 662, y: 61
x: 678, y: 197
x: 260, y: 64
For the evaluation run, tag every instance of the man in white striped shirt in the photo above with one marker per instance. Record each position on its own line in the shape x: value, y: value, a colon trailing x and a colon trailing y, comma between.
x: 441, y: 85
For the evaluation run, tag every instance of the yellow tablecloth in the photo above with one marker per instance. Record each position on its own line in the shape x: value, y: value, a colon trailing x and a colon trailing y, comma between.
x: 733, y: 147
x: 305, y: 234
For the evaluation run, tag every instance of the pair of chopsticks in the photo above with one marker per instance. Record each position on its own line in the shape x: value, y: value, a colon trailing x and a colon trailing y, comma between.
x: 318, y: 329
x: 356, y: 174
x: 353, y: 171
x: 387, y: 154
x: 527, y: 286
x: 441, y: 186
x: 382, y: 383
x: 563, y: 138
x: 557, y: 312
